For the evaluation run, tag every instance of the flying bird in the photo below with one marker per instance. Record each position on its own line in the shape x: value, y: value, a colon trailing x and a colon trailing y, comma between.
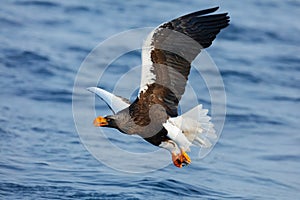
x: 167, y: 54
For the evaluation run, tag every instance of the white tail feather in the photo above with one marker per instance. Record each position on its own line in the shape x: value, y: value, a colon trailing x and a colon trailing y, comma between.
x: 196, y: 126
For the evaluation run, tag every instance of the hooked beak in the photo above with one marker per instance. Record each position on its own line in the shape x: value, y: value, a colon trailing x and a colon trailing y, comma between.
x: 100, y: 121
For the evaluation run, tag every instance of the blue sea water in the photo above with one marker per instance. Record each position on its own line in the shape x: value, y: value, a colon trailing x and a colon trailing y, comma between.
x: 42, y: 45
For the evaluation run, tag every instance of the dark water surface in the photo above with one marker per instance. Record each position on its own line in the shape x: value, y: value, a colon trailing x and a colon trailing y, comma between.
x: 42, y: 45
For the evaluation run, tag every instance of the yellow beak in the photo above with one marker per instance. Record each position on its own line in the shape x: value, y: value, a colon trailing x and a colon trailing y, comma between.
x: 100, y: 121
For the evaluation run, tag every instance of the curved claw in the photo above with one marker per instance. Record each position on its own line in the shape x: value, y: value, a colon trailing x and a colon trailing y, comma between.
x: 181, y: 159
x: 185, y: 158
x: 176, y: 160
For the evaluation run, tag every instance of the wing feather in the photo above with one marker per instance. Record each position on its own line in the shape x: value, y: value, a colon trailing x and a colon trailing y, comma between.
x: 115, y: 103
x: 167, y: 55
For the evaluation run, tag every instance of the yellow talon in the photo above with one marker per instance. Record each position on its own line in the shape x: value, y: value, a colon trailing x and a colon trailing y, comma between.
x: 176, y: 160
x: 181, y: 159
x: 185, y: 157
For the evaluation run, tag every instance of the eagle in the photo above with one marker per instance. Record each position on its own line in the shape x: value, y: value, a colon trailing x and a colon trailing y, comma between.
x: 167, y: 54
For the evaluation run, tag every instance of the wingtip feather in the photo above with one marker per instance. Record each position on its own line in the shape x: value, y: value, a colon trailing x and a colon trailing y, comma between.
x: 91, y: 89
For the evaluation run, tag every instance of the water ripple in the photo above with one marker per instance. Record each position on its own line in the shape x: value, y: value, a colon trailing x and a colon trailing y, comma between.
x: 45, y: 4
x: 252, y: 118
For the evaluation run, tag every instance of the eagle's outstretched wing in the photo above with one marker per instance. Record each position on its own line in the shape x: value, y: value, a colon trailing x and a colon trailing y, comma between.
x: 168, y: 52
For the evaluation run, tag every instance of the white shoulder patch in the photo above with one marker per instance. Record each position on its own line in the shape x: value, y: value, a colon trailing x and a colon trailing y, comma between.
x: 147, y: 76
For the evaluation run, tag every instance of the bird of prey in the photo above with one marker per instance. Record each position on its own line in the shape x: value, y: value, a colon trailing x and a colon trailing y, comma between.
x: 167, y: 54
